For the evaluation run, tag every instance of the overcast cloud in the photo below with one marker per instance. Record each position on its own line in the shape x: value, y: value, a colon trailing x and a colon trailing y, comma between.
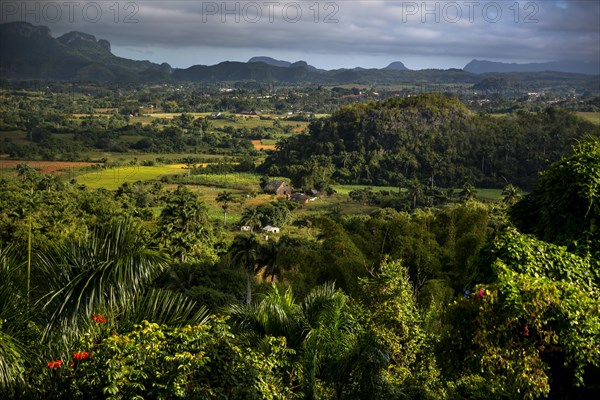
x: 328, y: 34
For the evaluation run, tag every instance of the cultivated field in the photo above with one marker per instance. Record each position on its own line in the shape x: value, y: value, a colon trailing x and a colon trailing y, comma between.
x: 345, y: 189
x: 45, y: 167
x: 112, y: 178
x: 263, y: 144
x: 590, y: 116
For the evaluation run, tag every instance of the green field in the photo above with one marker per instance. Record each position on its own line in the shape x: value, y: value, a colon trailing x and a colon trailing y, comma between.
x: 112, y: 178
x: 237, y: 181
x: 593, y: 117
x: 488, y: 194
x: 483, y: 194
x: 345, y: 189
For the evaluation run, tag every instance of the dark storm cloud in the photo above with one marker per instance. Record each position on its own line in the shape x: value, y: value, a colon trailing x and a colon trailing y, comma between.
x: 499, y: 30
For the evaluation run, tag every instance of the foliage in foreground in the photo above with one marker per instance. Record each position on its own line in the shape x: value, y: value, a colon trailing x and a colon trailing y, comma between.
x: 161, y: 362
x: 532, y: 331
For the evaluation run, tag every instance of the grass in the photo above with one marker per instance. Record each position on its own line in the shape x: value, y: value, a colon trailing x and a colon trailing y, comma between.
x: 346, y: 189
x: 593, y: 117
x: 488, y: 194
x: 112, y: 178
x: 483, y: 194
x: 238, y: 181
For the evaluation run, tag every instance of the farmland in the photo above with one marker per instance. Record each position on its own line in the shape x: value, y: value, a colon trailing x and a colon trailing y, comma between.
x: 590, y: 116
x: 112, y: 178
x: 45, y: 167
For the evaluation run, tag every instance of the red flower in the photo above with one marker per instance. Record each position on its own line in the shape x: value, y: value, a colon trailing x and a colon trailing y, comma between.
x: 80, y: 355
x: 55, y: 364
x: 98, y: 318
x: 72, y: 363
x: 479, y: 295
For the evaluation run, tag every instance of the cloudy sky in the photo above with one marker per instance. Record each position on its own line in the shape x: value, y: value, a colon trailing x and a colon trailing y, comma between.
x: 328, y: 34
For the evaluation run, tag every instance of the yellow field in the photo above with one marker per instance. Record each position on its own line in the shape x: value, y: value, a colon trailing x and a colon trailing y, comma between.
x: 112, y: 178
x: 593, y: 117
x: 258, y: 145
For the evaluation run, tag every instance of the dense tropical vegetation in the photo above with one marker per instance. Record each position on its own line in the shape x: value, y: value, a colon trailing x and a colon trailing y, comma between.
x: 432, y: 138
x: 417, y: 290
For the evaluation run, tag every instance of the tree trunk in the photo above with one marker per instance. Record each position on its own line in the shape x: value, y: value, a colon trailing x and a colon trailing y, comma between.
x: 248, y: 289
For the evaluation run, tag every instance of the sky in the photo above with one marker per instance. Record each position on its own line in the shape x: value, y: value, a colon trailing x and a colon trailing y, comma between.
x: 328, y: 34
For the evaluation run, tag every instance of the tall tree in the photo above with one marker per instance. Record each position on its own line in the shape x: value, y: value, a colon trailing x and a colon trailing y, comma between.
x: 184, y: 228
x: 244, y: 252
x: 224, y: 198
x: 510, y: 194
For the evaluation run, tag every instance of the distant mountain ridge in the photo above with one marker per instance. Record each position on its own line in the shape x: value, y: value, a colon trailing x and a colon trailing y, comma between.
x: 484, y: 66
x: 30, y: 52
x: 280, y: 63
x: 397, y: 66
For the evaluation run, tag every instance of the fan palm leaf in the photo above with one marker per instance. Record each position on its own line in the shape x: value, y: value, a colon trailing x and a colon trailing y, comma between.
x: 14, y: 315
x: 107, y: 271
x: 164, y: 307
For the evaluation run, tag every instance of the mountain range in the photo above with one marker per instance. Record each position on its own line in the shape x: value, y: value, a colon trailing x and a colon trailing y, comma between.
x: 30, y: 52
x: 483, y: 66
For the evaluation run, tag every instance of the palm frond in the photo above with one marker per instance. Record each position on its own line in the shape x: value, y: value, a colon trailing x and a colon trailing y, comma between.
x: 12, y: 361
x: 323, y: 305
x: 109, y: 270
x: 13, y: 315
x: 164, y: 307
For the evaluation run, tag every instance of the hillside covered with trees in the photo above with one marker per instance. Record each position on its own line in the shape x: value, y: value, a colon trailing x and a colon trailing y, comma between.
x: 431, y: 138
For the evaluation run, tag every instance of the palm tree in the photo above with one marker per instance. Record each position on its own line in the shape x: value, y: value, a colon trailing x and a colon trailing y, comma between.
x: 225, y: 198
x: 511, y: 194
x: 319, y: 328
x: 415, y: 191
x: 267, y: 259
x: 109, y: 270
x: 14, y: 316
x: 468, y: 193
x: 245, y: 254
x: 251, y: 217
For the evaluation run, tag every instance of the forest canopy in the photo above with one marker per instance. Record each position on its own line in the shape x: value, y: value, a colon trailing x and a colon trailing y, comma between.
x: 433, y: 138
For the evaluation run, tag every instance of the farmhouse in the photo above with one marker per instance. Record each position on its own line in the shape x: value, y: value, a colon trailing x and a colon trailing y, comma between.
x: 270, y: 229
x: 300, y: 198
x: 279, y: 188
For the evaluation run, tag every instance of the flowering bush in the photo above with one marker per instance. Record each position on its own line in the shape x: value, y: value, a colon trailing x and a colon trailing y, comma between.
x: 201, y: 361
x: 537, y: 325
